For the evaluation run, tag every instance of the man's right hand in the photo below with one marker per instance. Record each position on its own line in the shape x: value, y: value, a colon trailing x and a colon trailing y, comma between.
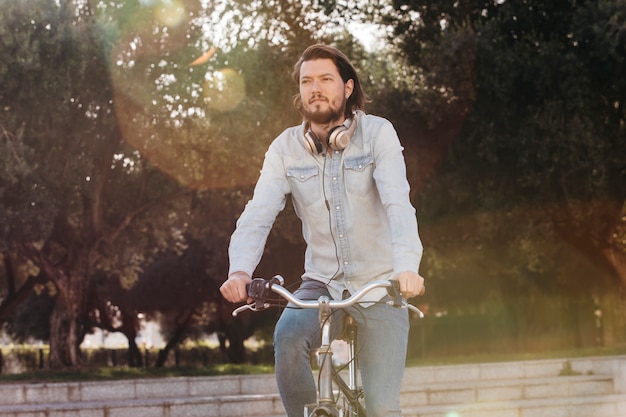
x: 234, y: 288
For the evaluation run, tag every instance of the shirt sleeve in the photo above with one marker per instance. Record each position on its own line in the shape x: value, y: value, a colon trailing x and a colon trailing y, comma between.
x: 394, y: 190
x: 253, y: 226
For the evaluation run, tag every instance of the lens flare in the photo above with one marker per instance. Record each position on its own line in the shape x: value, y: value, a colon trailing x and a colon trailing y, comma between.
x: 205, y: 57
x: 224, y: 90
x: 171, y: 13
x: 172, y: 108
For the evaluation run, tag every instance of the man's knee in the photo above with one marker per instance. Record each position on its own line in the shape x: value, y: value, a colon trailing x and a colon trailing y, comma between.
x: 296, y: 328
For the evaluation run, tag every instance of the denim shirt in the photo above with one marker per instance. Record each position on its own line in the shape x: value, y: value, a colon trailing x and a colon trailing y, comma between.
x: 357, y: 220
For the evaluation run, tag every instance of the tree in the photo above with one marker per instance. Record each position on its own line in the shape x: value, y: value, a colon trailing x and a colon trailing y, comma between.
x: 542, y: 140
x: 72, y: 187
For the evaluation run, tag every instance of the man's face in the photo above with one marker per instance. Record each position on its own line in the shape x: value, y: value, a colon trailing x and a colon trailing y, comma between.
x: 323, y: 92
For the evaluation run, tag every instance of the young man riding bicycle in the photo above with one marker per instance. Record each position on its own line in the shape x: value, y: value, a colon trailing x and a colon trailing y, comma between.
x: 350, y: 191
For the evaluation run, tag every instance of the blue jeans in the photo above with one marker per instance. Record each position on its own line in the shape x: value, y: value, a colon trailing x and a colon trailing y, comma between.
x: 381, y: 346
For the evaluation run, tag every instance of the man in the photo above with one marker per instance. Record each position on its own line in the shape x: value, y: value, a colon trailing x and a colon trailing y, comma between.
x: 351, y: 193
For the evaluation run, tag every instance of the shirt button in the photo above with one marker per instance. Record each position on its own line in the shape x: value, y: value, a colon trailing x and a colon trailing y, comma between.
x: 337, y: 208
x: 301, y: 177
x: 341, y: 235
x: 346, y: 262
x: 336, y: 152
x: 334, y: 178
x: 360, y: 166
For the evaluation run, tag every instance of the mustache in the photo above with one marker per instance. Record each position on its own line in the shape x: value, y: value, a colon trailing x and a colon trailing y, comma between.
x: 317, y: 97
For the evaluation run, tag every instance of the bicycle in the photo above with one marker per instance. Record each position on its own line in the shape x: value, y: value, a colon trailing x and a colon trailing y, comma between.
x: 347, y: 400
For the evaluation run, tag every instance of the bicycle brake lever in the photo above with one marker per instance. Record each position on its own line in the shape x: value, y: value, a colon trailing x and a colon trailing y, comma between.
x: 405, y: 304
x: 252, y: 307
x: 398, y: 301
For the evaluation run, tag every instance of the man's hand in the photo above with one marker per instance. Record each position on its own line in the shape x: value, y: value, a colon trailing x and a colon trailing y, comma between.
x: 234, y: 288
x: 411, y: 284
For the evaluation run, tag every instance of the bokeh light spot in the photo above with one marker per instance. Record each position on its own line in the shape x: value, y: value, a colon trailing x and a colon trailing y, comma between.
x: 224, y: 90
x: 171, y: 13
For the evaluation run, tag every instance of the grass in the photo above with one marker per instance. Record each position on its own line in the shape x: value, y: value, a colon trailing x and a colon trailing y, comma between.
x: 118, y: 373
x: 509, y: 357
x: 115, y: 373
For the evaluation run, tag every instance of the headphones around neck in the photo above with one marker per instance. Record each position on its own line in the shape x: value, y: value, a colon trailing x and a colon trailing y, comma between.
x: 338, y: 138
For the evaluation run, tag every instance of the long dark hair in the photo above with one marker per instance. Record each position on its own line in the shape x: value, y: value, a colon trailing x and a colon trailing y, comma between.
x: 357, y: 99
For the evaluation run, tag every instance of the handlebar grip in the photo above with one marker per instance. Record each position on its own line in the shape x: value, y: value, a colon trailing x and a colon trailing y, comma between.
x: 394, y: 292
x: 259, y: 289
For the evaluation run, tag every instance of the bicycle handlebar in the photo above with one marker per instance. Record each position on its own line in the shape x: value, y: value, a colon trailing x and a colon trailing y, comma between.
x: 258, y: 288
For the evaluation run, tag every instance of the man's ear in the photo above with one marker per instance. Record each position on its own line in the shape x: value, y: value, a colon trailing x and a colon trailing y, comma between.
x: 349, y: 88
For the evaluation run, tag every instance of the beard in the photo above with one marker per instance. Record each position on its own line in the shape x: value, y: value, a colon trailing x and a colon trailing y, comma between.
x: 323, y: 117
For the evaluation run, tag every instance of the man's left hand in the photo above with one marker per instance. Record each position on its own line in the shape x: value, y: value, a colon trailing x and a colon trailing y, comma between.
x: 411, y: 284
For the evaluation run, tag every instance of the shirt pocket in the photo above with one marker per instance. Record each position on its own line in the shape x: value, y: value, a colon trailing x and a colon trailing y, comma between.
x: 358, y: 174
x: 304, y: 183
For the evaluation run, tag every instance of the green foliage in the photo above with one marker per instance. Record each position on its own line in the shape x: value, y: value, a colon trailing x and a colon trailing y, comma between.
x: 88, y: 193
x: 567, y: 369
x: 535, y: 176
x: 25, y: 324
x: 27, y: 362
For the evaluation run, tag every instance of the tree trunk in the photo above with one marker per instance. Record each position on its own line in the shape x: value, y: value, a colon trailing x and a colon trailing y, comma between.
x: 135, y: 360
x: 231, y: 345
x: 183, y: 322
x: 65, y: 337
x: 129, y: 329
x: 68, y: 318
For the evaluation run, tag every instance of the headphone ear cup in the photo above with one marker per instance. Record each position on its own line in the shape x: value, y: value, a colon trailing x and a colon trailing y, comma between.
x: 338, y: 138
x: 312, y: 143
